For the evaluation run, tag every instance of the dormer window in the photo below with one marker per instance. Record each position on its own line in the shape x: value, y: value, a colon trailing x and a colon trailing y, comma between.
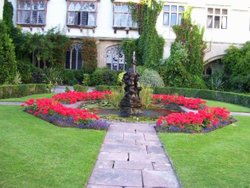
x: 123, y: 16
x: 81, y: 14
x: 31, y: 12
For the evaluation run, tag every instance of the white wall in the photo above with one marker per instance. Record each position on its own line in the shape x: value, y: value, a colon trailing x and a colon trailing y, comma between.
x: 1, y: 9
x: 237, y: 31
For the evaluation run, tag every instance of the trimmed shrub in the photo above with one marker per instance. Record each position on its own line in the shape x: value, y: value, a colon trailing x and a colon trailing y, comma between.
x: 230, y: 97
x: 104, y: 76
x: 78, y: 87
x: 151, y: 78
x: 106, y: 87
x: 72, y: 77
x: 10, y: 91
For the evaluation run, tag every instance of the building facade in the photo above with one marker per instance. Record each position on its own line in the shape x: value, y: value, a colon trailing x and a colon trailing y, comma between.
x: 226, y: 22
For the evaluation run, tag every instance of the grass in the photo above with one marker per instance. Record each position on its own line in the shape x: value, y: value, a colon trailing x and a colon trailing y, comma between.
x: 229, y: 106
x: 23, y: 99
x: 217, y: 159
x: 35, y: 153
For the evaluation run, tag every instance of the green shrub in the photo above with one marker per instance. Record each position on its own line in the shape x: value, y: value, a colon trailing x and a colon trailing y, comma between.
x: 72, y: 77
x: 86, y: 79
x: 104, y: 76
x: 53, y: 76
x: 106, y: 87
x: 78, y: 87
x: 115, y: 97
x: 38, y: 75
x: 151, y: 78
x: 11, y: 91
x: 25, y: 68
x: 146, y: 96
x: 230, y: 97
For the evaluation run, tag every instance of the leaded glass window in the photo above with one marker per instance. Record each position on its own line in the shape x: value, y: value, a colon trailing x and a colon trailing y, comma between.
x: 123, y: 16
x: 82, y: 14
x: 115, y: 59
x: 31, y: 12
x: 217, y: 18
x: 172, y: 14
x: 74, y: 57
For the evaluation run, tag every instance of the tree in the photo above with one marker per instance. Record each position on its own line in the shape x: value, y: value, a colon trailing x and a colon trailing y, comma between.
x: 8, y: 14
x: 8, y: 66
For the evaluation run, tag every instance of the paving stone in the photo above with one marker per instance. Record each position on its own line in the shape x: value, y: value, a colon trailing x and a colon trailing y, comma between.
x: 115, y: 136
x: 148, y: 143
x: 115, y: 141
x: 116, y: 177
x: 151, y: 137
x: 102, y: 186
x: 104, y: 164
x: 155, y: 149
x: 159, y: 179
x: 107, y: 156
x: 135, y: 136
x: 162, y: 166
x: 134, y: 165
x: 140, y: 156
x: 122, y: 148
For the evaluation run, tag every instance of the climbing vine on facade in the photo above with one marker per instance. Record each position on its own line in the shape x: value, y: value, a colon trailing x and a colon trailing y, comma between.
x: 89, y: 52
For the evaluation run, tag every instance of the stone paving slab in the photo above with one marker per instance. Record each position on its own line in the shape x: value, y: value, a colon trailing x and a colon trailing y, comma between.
x: 11, y: 103
x: 132, y: 156
x: 116, y: 177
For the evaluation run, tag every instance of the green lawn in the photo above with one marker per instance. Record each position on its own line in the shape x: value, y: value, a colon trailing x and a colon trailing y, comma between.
x: 218, y: 159
x: 229, y: 106
x: 34, y: 153
x: 23, y: 99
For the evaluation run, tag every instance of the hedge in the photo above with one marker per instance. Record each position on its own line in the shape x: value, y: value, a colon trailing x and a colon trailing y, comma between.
x: 11, y: 91
x: 78, y: 87
x: 230, y: 97
x: 107, y: 87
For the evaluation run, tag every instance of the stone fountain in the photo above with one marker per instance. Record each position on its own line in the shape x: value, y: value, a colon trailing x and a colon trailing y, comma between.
x: 131, y: 104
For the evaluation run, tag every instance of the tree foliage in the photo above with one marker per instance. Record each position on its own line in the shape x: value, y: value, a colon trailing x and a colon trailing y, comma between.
x: 237, y: 68
x: 8, y: 14
x: 149, y: 46
x: 8, y: 64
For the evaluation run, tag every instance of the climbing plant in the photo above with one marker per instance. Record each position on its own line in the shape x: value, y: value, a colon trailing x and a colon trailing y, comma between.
x: 191, y: 36
x: 128, y: 47
x: 149, y: 46
x: 89, y: 52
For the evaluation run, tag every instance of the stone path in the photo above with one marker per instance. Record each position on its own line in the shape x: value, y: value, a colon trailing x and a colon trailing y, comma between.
x: 132, y: 156
x: 11, y: 103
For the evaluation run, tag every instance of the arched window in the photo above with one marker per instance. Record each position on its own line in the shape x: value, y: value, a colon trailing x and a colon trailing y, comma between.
x: 74, y: 57
x: 209, y: 71
x: 115, y: 59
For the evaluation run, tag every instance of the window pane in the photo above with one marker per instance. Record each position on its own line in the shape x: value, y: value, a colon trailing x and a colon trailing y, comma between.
x: 41, y: 5
x: 210, y: 22
x: 217, y: 11
x: 166, y: 8
x: 125, y: 8
x: 67, y: 64
x: 92, y: 7
x: 181, y: 9
x: 34, y: 17
x: 224, y: 11
x: 78, y: 7
x: 73, y: 65
x: 35, y: 6
x: 210, y: 11
x: 217, y: 22
x: 179, y: 19
x: 91, y: 19
x: 166, y: 18
x: 224, y: 22
x: 71, y: 18
x: 24, y: 17
x: 84, y: 18
x: 79, y: 60
x: 41, y: 17
x: 117, y: 8
x: 173, y: 18
x: 174, y: 8
x: 71, y: 7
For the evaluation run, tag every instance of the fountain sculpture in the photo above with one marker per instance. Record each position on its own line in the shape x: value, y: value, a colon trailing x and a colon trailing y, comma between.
x: 131, y: 102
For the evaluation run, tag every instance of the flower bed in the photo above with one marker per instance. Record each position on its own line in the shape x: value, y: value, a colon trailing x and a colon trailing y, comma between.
x: 204, y: 120
x: 54, y: 112
x: 192, y: 103
x: 74, y: 96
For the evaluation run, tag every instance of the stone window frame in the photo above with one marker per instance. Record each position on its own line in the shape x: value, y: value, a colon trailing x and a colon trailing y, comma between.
x: 168, y: 10
x: 215, y: 13
x: 134, y: 25
x: 78, y: 48
x: 31, y: 10
x: 93, y: 12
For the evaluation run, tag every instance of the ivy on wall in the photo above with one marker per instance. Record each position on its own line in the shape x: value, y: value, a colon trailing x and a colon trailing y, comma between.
x: 191, y: 36
x: 89, y: 53
x: 149, y: 46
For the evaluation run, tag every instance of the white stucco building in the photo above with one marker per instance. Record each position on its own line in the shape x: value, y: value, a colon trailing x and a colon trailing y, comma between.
x: 1, y: 9
x: 226, y: 22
